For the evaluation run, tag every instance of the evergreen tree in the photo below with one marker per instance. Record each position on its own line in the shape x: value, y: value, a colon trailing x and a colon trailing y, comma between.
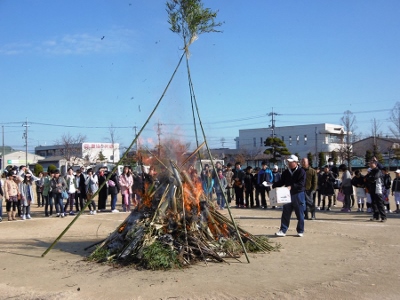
x: 368, y: 157
x: 276, y: 148
x: 377, y: 153
x: 51, y: 168
x: 101, y: 156
x: 334, y: 157
x: 321, y: 159
x: 310, y: 158
x: 37, y: 169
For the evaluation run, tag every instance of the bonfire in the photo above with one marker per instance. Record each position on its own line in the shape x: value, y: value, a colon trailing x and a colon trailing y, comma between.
x: 175, y: 225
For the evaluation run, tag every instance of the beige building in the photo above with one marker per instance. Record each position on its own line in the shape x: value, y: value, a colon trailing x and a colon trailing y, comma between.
x: 18, y: 158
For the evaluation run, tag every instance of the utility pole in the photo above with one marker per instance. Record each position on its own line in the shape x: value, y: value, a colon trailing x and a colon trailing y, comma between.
x: 316, y: 147
x: 273, y: 114
x: 25, y: 136
x: 137, y: 141
x: 3, y: 154
x: 159, y: 139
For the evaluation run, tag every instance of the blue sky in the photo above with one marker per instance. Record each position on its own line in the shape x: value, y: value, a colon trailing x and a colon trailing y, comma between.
x: 80, y: 67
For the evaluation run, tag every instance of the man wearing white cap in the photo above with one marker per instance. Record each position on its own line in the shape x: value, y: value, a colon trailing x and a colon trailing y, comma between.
x: 294, y: 178
x: 396, y: 190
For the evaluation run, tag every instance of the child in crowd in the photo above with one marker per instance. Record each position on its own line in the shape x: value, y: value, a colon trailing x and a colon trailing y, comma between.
x: 71, y: 190
x: 396, y: 190
x: 358, y: 182
x: 219, y: 189
x: 387, y: 181
x: 369, y: 200
x: 229, y: 187
x: 92, y: 184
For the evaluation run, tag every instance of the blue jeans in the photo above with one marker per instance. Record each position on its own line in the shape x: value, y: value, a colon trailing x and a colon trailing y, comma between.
x: 59, y: 202
x: 1, y: 208
x: 48, y: 202
x: 113, y: 201
x: 298, y: 205
x: 221, y: 200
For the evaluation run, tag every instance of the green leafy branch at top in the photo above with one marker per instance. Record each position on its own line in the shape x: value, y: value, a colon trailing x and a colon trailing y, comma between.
x: 189, y: 19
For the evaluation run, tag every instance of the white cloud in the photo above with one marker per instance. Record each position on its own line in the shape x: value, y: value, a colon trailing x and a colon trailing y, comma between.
x: 111, y: 41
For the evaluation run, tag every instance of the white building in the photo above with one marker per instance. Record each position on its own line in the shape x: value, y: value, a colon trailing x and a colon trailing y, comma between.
x: 88, y: 151
x: 301, y: 139
x: 18, y: 158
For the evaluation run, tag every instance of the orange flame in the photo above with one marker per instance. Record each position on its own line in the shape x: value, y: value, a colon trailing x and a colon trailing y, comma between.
x: 192, y: 196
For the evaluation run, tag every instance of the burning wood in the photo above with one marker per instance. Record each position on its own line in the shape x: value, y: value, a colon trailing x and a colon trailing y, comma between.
x: 175, y: 226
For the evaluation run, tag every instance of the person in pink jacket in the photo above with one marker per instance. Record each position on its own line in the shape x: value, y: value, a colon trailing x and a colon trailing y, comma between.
x: 126, y: 182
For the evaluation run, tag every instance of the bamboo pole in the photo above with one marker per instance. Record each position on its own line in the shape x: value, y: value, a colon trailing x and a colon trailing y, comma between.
x: 120, y: 161
x: 191, y: 155
x: 212, y: 161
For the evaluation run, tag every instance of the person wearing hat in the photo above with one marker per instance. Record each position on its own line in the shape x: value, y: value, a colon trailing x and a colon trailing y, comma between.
x: 374, y: 184
x: 264, y: 177
x: 396, y: 190
x: 294, y: 178
x: 27, y: 195
x: 11, y: 192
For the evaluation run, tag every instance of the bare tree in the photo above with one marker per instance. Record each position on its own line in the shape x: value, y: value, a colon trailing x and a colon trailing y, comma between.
x: 349, y: 124
x: 112, y: 138
x: 222, y: 142
x: 376, y: 125
x: 71, y: 147
x: 395, y: 119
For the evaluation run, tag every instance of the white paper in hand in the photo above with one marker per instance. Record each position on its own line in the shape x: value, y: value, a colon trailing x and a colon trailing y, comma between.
x: 265, y: 183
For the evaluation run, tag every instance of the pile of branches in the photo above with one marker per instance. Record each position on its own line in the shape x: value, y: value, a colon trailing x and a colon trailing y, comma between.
x: 175, y: 225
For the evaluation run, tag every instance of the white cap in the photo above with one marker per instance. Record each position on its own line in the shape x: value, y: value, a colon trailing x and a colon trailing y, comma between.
x: 397, y: 171
x: 275, y: 167
x: 293, y: 158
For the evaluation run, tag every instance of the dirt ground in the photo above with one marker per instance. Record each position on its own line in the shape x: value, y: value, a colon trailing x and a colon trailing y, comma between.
x: 341, y: 256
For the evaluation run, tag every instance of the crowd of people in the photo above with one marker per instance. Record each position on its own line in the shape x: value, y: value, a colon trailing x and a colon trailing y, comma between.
x: 311, y: 189
x: 67, y: 195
